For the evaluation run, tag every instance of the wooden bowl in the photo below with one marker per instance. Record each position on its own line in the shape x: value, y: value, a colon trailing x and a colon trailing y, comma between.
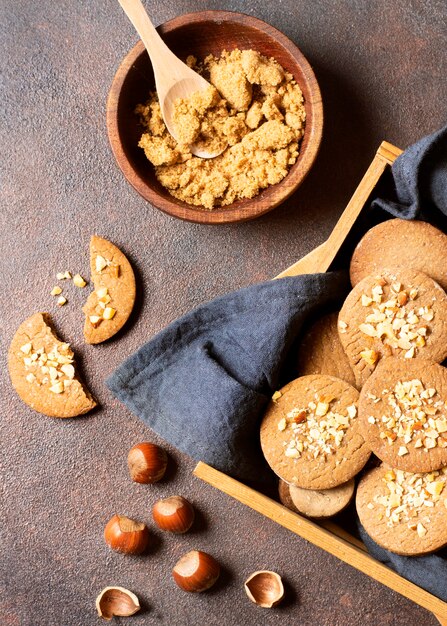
x: 200, y: 34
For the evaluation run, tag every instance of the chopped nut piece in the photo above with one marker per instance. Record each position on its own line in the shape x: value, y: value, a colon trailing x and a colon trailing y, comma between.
x: 109, y: 313
x: 410, y: 353
x: 371, y: 420
x: 63, y: 275
x: 421, y: 530
x: 57, y: 387
x: 282, y: 424
x: 402, y: 298
x: 61, y: 301
x: 368, y: 329
x: 402, y: 451
x: 370, y: 356
x: 342, y: 326
x: 102, y: 292
x: 95, y: 320
x: 276, y: 396
x: 56, y: 291
x: 389, y: 475
x: 115, y: 270
x: 352, y: 410
x: 79, y: 281
x: 435, y: 488
x: 429, y: 443
x: 292, y: 453
x: 30, y: 377
x: 68, y: 370
x: 322, y: 409
x: 100, y: 263
x: 366, y: 300
x: 26, y: 348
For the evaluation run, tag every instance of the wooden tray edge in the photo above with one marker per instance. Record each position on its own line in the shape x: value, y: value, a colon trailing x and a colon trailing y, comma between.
x: 346, y: 550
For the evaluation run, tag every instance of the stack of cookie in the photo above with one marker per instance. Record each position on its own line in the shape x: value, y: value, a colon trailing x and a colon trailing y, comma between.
x: 371, y: 381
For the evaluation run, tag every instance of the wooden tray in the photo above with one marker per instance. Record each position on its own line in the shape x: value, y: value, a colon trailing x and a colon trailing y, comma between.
x: 328, y: 535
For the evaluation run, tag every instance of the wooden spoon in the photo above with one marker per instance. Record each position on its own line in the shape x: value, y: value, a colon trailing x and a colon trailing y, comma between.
x: 173, y: 78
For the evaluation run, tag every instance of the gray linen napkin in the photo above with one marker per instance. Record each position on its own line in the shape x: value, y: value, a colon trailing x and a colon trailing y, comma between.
x: 429, y: 572
x: 203, y: 382
x: 420, y: 179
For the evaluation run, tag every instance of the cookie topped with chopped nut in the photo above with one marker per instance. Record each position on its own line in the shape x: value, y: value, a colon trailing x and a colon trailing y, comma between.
x: 320, y: 351
x: 403, y: 414
x: 109, y: 306
x: 402, y: 511
x: 387, y: 246
x: 310, y: 434
x: 402, y: 314
x: 43, y: 371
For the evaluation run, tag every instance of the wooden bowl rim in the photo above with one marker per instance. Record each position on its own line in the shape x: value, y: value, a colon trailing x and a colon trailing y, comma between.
x: 240, y: 210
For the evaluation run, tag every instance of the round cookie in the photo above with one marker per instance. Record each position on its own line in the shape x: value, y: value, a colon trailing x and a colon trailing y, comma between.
x: 387, y: 245
x: 320, y: 351
x: 310, y: 434
x: 403, y: 512
x: 402, y: 314
x: 284, y: 496
x: 42, y: 371
x: 403, y: 414
x: 108, y: 308
x: 316, y: 504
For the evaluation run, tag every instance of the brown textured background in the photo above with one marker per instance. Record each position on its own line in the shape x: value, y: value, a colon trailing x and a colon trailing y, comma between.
x: 382, y: 68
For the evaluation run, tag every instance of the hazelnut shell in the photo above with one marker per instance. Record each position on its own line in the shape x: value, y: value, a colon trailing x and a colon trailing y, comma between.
x: 116, y: 601
x: 265, y: 588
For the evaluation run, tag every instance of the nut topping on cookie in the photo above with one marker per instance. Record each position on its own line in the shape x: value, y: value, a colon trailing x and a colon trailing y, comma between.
x: 391, y: 322
x: 409, y: 496
x: 316, y: 437
x: 416, y: 412
x: 57, y: 363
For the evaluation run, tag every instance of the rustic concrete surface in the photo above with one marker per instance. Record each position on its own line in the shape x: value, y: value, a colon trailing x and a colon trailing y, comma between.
x: 382, y: 68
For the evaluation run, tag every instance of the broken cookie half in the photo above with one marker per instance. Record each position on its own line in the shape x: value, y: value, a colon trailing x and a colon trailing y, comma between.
x: 109, y: 306
x: 43, y: 371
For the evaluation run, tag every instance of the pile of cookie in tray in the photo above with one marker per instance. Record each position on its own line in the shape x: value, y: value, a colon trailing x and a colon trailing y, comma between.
x: 371, y: 397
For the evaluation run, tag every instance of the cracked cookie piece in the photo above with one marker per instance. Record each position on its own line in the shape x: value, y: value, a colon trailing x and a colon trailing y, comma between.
x: 403, y: 414
x: 401, y: 314
x: 387, y: 245
x: 404, y: 512
x: 108, y: 308
x: 318, y: 504
x: 43, y: 371
x: 310, y: 434
x: 320, y: 351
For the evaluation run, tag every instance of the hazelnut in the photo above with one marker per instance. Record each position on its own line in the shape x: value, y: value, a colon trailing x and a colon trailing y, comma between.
x: 174, y: 514
x: 116, y: 601
x: 147, y: 463
x: 126, y: 535
x: 264, y: 588
x: 196, y: 571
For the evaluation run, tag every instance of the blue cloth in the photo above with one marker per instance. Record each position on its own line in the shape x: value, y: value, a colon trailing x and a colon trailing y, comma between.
x: 420, y: 179
x: 428, y: 572
x: 203, y: 382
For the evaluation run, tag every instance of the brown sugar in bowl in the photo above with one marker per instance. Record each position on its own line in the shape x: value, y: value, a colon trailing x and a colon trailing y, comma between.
x: 200, y: 34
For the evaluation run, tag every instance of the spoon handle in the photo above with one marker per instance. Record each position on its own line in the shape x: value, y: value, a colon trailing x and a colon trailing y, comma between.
x: 158, y: 51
